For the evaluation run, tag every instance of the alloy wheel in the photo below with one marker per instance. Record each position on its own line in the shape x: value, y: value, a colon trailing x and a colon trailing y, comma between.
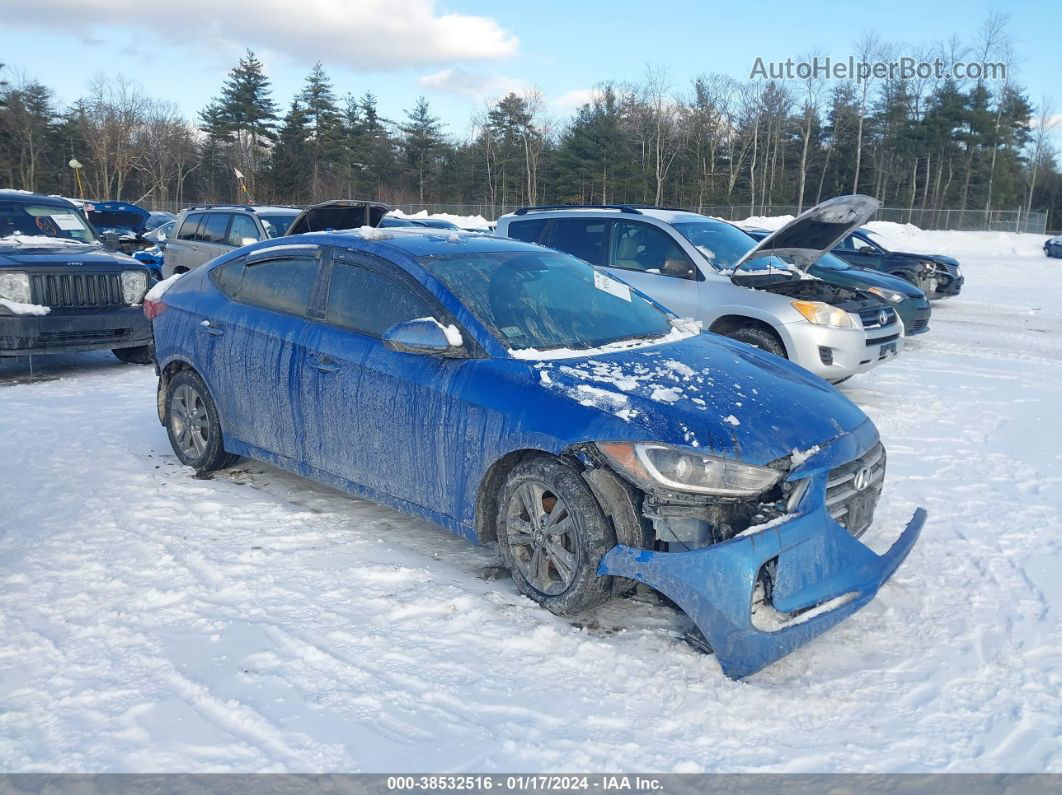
x: 541, y: 535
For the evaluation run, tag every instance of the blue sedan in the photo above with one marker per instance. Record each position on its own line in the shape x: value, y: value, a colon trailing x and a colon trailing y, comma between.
x: 511, y: 393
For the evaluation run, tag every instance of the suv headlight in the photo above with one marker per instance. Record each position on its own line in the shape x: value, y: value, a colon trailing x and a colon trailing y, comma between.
x: 889, y: 295
x: 134, y: 285
x: 15, y: 287
x: 823, y: 314
x: 652, y: 465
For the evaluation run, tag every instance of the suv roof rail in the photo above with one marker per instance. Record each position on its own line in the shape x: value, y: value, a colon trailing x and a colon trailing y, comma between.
x: 230, y: 206
x: 623, y: 208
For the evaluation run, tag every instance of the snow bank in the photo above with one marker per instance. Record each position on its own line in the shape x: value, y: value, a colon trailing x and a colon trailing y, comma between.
x: 908, y: 237
x: 463, y: 221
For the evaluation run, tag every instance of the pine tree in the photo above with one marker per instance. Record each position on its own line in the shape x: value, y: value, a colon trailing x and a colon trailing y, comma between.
x: 422, y: 141
x: 323, y: 122
x: 248, y: 114
x: 291, y: 154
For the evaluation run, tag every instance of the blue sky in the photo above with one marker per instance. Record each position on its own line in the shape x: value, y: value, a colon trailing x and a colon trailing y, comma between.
x: 459, y: 52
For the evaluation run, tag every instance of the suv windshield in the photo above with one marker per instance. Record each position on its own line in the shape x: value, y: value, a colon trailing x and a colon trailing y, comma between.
x: 723, y: 245
x: 43, y: 221
x: 276, y: 224
x: 547, y: 300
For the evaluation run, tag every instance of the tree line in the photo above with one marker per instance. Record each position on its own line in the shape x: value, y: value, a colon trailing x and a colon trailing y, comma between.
x: 923, y: 144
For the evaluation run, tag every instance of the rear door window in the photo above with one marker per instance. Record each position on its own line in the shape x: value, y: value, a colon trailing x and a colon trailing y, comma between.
x: 364, y: 300
x: 283, y: 284
x: 528, y: 231
x: 585, y: 238
x: 190, y: 227
x: 214, y: 229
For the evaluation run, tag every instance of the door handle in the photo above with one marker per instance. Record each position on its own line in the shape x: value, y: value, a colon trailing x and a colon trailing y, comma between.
x: 210, y: 329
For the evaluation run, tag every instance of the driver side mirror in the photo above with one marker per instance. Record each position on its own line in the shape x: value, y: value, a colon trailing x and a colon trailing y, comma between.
x: 424, y: 336
x: 675, y: 266
x: 866, y: 250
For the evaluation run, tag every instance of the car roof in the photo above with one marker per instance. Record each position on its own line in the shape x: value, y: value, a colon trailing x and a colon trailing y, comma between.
x: 12, y: 194
x: 415, y: 241
x: 247, y: 208
x: 627, y: 212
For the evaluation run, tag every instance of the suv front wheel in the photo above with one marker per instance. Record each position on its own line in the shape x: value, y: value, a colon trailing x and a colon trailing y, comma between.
x: 758, y: 338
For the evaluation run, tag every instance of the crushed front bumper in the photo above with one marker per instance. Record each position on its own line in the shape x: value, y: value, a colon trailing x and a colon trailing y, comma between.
x: 821, y: 575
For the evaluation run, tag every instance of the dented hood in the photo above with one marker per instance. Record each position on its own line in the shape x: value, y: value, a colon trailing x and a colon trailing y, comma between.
x: 709, y: 393
x: 338, y: 214
x: 816, y: 231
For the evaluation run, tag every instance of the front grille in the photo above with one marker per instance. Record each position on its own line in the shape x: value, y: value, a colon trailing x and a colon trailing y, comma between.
x: 853, y: 489
x: 76, y: 289
x: 883, y: 340
x: 872, y: 317
x: 921, y: 323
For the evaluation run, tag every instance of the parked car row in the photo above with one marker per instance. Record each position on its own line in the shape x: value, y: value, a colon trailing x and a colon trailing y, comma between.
x: 513, y: 392
x: 549, y: 387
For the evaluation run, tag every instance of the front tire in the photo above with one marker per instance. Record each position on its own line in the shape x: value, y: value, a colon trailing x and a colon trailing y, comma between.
x: 552, y: 535
x: 192, y: 424
x: 142, y: 354
x: 759, y: 338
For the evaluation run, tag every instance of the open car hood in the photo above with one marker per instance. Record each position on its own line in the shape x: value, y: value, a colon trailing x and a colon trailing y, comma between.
x: 338, y: 214
x: 117, y: 215
x: 816, y: 231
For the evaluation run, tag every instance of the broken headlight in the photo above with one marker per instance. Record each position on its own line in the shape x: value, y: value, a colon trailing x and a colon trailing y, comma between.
x: 892, y: 296
x: 652, y: 465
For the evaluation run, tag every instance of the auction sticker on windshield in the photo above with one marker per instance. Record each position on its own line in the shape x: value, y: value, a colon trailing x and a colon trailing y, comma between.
x: 611, y: 286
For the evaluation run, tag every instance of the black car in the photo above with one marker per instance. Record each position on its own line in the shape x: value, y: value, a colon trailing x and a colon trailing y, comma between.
x: 61, y: 290
x: 937, y: 275
x: 1053, y: 246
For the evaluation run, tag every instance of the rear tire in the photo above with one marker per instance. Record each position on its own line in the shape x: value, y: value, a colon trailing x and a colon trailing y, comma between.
x: 142, y: 354
x: 759, y: 338
x: 552, y: 536
x: 192, y: 424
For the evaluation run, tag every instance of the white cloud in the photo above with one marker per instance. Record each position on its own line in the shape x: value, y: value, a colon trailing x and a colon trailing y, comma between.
x: 576, y: 98
x: 470, y: 84
x: 1051, y: 122
x: 361, y: 34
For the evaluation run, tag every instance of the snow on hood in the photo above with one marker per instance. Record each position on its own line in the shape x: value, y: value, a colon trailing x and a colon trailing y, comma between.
x: 708, y: 393
x: 816, y: 231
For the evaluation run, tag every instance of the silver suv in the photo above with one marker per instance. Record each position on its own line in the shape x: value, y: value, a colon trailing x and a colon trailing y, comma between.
x: 711, y: 270
x: 204, y: 232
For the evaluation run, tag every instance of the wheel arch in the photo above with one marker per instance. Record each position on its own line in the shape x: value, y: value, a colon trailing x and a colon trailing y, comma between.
x: 166, y: 373
x: 731, y: 322
x: 490, y: 487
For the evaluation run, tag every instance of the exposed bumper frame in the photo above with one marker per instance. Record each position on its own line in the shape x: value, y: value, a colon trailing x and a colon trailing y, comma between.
x: 819, y: 565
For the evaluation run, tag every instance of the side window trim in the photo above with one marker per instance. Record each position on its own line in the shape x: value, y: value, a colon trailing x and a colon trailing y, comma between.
x: 249, y: 263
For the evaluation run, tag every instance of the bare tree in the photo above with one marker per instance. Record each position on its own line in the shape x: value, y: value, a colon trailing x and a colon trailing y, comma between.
x: 1045, y: 121
x: 110, y: 118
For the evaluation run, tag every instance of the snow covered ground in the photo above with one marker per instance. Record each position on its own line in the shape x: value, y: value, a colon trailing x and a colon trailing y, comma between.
x: 150, y: 621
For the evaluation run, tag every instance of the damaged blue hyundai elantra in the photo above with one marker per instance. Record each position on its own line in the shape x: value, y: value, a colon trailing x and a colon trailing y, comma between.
x: 512, y: 393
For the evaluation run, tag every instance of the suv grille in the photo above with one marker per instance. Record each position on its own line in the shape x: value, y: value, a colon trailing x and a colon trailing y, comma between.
x: 76, y: 289
x: 872, y: 317
x: 853, y: 489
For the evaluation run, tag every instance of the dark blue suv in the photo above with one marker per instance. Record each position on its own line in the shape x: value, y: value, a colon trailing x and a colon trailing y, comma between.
x: 509, y: 392
x: 937, y: 275
x: 60, y: 289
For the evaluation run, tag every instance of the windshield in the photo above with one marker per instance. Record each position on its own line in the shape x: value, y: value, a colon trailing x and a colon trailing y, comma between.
x: 276, y: 224
x: 723, y: 245
x: 547, y: 300
x: 44, y: 221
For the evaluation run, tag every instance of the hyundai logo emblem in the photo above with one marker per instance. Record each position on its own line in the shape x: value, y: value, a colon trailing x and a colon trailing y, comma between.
x: 883, y: 318
x: 862, y: 479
